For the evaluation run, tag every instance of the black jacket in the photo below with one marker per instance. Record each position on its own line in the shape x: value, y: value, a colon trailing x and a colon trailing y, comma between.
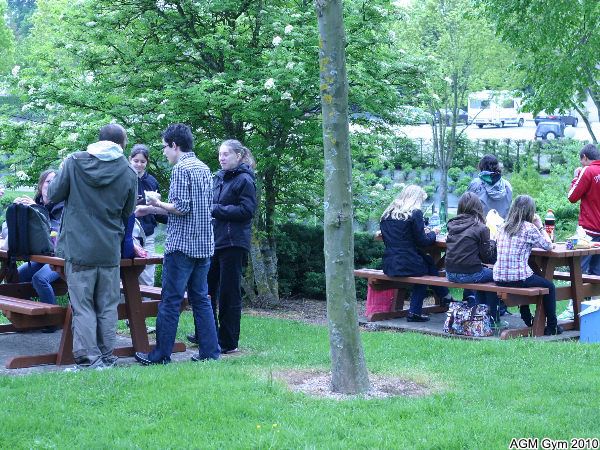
x: 234, y: 204
x: 402, y: 239
x: 148, y: 183
x: 468, y: 245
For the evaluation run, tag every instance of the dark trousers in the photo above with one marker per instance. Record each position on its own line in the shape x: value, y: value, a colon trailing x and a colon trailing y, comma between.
x: 419, y: 290
x: 224, y: 287
x: 549, y: 299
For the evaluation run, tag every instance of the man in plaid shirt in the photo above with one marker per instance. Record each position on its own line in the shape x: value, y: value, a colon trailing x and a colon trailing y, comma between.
x: 188, y: 248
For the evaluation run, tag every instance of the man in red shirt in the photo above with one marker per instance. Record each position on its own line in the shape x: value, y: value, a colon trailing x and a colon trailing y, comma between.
x: 586, y: 187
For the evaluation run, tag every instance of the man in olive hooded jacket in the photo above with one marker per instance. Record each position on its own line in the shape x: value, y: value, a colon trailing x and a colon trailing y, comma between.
x: 99, y: 189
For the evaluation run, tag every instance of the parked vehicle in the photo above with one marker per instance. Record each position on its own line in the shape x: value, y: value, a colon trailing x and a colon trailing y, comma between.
x: 566, y: 119
x: 498, y: 108
x: 461, y: 117
x: 549, y: 130
x: 413, y: 115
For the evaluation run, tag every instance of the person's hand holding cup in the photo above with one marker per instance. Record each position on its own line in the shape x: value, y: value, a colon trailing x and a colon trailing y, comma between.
x: 537, y: 221
x: 152, y: 197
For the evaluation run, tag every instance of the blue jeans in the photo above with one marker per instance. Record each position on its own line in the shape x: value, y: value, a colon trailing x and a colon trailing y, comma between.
x: 180, y: 272
x: 485, y: 275
x: 419, y: 290
x: 41, y: 277
x: 591, y: 264
x: 549, y: 299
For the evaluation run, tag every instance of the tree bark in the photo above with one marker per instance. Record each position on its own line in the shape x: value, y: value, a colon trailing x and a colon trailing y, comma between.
x: 349, y: 370
x: 261, y: 284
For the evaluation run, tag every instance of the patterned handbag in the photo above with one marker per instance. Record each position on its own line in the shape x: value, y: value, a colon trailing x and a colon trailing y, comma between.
x: 468, y: 321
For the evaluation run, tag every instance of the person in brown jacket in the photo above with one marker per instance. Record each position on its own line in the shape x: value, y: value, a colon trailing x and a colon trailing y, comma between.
x: 469, y: 247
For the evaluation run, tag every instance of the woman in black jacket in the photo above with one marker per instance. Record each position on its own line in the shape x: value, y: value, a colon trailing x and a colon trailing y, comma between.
x: 139, y: 158
x: 404, y: 233
x: 234, y: 204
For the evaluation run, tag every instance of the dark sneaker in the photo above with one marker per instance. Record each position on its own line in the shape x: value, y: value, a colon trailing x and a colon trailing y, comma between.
x: 146, y: 361
x: 192, y: 338
x: 109, y: 361
x: 230, y: 352
x: 552, y: 331
x: 85, y: 363
x: 417, y: 318
x: 197, y: 358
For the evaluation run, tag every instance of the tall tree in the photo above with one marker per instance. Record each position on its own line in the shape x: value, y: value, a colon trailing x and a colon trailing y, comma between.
x: 349, y: 371
x: 559, y: 43
x: 230, y: 69
x: 459, y: 54
x: 6, y: 41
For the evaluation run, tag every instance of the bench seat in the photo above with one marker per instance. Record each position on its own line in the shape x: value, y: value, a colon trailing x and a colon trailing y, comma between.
x: 27, y: 314
x: 512, y: 296
x: 152, y: 292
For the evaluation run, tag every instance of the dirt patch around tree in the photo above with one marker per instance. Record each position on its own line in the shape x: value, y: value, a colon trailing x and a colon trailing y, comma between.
x: 318, y: 384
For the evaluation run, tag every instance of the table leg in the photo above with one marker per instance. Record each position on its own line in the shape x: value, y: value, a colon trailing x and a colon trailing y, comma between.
x: 576, y: 288
x: 65, y: 348
x: 135, y: 312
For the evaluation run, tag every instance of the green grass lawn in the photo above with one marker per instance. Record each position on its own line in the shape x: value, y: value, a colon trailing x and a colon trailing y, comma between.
x: 485, y: 393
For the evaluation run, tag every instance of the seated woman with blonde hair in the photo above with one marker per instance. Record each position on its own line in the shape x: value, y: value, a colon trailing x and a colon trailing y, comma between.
x: 404, y: 234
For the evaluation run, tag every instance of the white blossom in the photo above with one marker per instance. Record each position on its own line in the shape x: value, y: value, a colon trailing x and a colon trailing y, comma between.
x: 22, y: 175
x: 277, y: 40
x: 73, y: 137
x: 448, y: 80
x: 288, y: 29
x: 290, y: 65
x: 160, y: 117
x: 270, y: 83
x: 90, y: 24
x: 15, y: 71
x: 286, y: 96
x: 89, y: 77
x: 240, y: 82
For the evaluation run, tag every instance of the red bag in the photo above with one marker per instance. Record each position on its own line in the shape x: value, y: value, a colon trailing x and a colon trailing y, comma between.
x: 380, y: 301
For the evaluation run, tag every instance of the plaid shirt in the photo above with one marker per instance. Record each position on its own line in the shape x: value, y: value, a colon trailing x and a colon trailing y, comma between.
x: 513, y: 253
x: 191, y: 193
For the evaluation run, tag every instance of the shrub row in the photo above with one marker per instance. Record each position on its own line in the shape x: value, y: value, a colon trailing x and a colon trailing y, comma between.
x: 301, y: 262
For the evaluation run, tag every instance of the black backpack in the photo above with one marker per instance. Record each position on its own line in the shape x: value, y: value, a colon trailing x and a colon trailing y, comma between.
x: 28, y: 231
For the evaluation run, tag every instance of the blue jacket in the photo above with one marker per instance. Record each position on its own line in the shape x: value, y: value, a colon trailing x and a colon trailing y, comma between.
x: 402, y: 239
x: 234, y: 204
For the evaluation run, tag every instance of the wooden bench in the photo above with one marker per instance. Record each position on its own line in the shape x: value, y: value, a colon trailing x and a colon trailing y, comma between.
x: 512, y: 296
x: 27, y: 314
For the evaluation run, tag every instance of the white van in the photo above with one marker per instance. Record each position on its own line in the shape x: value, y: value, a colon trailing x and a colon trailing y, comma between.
x: 496, y: 108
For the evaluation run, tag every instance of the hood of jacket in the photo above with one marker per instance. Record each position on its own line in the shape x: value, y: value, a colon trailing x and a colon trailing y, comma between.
x: 494, y: 184
x: 460, y: 223
x: 228, y: 174
x: 105, y: 167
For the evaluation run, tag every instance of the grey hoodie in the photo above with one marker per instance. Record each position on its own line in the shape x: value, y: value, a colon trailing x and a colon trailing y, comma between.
x: 99, y: 189
x: 497, y: 196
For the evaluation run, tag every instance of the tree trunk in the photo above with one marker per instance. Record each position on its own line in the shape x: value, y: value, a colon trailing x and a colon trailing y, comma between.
x: 348, y: 367
x: 260, y: 281
x: 584, y: 116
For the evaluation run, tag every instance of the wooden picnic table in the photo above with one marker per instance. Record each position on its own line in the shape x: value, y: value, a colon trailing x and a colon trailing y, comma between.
x: 544, y: 263
x: 27, y: 314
